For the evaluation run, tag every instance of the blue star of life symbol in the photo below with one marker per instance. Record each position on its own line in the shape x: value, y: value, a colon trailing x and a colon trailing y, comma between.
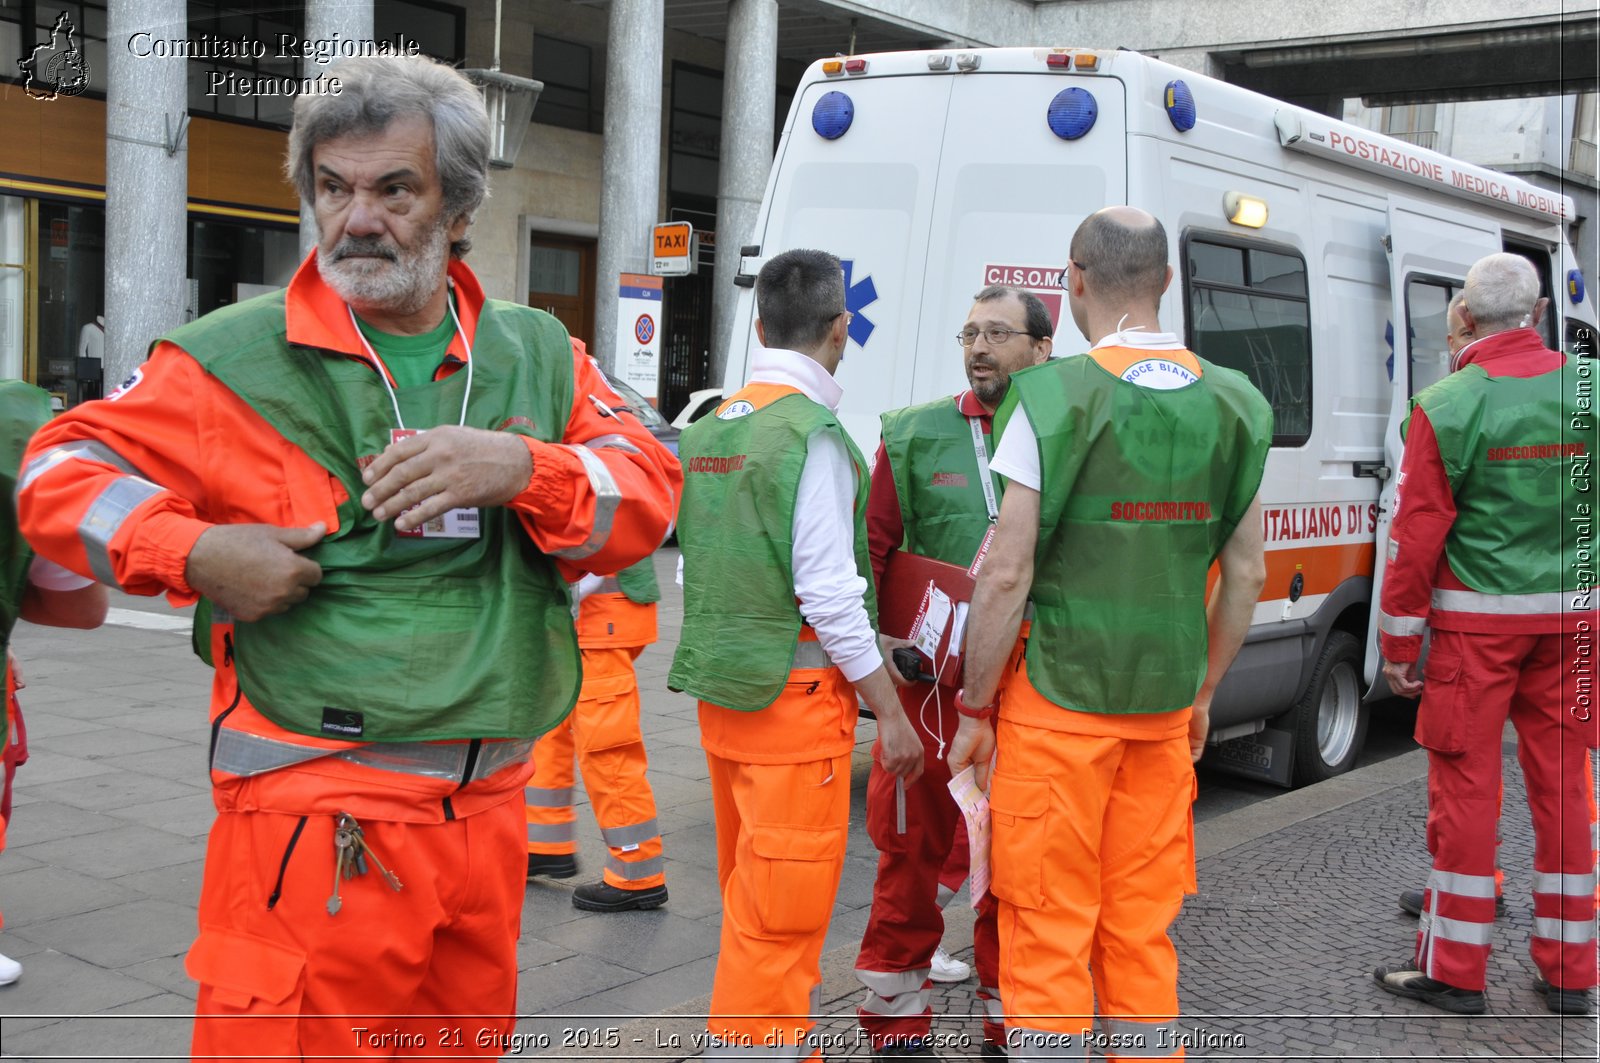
x: 858, y: 296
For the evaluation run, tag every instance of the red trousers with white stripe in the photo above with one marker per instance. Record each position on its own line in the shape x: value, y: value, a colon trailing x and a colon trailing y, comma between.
x: 915, y: 869
x: 1472, y: 684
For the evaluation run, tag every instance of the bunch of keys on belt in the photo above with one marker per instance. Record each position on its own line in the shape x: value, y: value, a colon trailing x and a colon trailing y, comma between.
x: 350, y: 852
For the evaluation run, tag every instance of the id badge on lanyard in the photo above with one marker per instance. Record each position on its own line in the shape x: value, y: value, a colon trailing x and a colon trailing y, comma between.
x: 989, y: 498
x: 459, y: 523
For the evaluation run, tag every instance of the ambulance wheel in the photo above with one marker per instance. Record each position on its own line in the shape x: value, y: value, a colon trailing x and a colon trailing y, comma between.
x: 1330, y: 722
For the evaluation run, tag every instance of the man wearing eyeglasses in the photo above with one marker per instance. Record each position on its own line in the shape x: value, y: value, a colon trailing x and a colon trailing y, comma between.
x: 778, y: 639
x: 1129, y: 470
x: 929, y: 498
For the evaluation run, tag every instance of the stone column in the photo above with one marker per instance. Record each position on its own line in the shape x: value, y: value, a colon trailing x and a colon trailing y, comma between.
x: 147, y: 186
x: 749, y: 96
x: 631, y: 160
x: 352, y: 21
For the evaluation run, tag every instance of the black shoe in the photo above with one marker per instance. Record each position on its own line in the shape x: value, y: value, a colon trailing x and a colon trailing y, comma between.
x: 1404, y: 980
x: 1411, y: 901
x: 561, y: 865
x: 1565, y: 1001
x: 911, y: 1048
x: 604, y: 897
x: 992, y: 1051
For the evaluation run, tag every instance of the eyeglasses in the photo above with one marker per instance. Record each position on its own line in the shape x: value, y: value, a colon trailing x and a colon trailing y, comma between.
x: 848, y: 317
x: 1067, y: 270
x: 996, y: 335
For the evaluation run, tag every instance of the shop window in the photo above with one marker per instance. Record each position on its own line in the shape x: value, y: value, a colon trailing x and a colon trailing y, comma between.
x: 1248, y: 309
x: 71, y: 263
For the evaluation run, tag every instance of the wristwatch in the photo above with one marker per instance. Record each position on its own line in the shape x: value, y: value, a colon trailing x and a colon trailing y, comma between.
x: 976, y: 712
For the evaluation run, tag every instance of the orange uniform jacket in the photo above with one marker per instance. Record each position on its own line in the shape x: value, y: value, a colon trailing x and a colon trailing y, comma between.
x: 216, y: 461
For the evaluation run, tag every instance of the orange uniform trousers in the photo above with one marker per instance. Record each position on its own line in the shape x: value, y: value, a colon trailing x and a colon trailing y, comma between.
x: 780, y: 788
x: 1093, y: 850
x: 603, y: 734
x: 390, y: 973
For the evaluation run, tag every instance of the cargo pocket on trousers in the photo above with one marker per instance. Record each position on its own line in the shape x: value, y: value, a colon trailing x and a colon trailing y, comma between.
x: 1441, y: 725
x: 1019, y: 807
x: 249, y: 975
x: 797, y: 876
x: 602, y: 724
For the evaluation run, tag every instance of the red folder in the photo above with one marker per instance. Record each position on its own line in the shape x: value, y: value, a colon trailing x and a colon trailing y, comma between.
x: 903, y: 599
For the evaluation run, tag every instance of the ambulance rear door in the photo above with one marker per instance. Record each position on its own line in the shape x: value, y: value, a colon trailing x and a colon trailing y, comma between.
x: 1430, y: 249
x: 1011, y: 193
x: 866, y: 195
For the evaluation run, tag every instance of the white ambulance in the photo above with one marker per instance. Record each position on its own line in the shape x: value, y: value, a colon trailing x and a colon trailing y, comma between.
x: 1314, y: 256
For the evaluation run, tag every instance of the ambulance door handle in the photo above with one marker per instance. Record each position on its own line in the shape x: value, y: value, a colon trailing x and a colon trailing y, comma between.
x: 1376, y: 470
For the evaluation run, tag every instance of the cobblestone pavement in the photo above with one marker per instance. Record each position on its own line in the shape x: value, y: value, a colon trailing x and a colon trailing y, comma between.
x: 101, y: 874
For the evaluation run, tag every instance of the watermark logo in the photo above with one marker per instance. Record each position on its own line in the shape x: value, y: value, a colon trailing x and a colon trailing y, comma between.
x: 56, y: 67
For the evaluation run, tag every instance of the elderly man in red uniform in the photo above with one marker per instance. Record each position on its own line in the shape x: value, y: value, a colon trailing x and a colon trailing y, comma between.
x: 380, y: 481
x: 1484, y: 554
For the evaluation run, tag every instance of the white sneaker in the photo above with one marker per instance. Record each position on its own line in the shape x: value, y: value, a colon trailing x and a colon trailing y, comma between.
x: 10, y: 970
x: 947, y: 968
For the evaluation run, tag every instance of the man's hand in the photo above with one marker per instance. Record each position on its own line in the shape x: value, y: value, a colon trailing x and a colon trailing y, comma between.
x: 1199, y: 727
x: 254, y: 570
x: 973, y: 744
x: 899, y: 748
x: 888, y: 644
x: 449, y: 467
x: 1402, y: 678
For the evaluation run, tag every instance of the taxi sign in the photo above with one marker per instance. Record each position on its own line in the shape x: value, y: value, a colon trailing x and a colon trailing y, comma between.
x: 675, y: 251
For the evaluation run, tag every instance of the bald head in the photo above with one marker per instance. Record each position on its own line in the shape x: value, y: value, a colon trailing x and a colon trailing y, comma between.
x: 1501, y: 292
x: 1124, y: 251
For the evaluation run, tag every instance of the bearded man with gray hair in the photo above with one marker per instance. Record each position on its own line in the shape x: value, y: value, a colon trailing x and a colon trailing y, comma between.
x: 1485, y: 553
x: 377, y: 481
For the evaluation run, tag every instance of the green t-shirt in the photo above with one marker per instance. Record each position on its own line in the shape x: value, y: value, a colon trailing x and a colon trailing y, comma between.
x: 411, y: 359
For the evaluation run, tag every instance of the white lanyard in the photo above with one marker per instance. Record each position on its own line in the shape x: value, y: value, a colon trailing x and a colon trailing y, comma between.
x: 982, y: 454
x: 383, y: 375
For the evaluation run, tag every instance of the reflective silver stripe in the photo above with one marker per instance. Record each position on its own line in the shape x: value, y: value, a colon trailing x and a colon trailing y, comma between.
x: 609, y: 585
x: 889, y: 984
x: 547, y: 797
x: 1569, y: 931
x: 637, y: 834
x: 1461, y: 931
x: 551, y: 833
x: 245, y: 754
x: 1401, y: 626
x: 1459, y: 885
x: 1499, y: 604
x: 87, y: 448
x: 945, y: 895
x: 900, y: 1006
x: 635, y: 871
x: 718, y: 1049
x: 815, y: 1000
x: 612, y: 442
x: 809, y: 654
x: 1036, y: 1046
x: 1134, y: 1038
x: 219, y: 615
x: 607, y: 497
x: 1564, y: 884
x: 105, y: 515
x: 990, y: 996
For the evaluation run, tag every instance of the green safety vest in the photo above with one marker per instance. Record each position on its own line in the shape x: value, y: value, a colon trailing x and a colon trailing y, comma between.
x: 741, y: 623
x: 24, y: 409
x: 930, y: 453
x: 405, y: 639
x: 1508, y: 446
x: 638, y: 582
x: 1141, y: 490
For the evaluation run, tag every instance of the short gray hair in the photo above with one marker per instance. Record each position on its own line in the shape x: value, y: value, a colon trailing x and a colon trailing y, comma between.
x: 1501, y: 291
x: 798, y: 295
x: 1035, y: 315
x: 377, y: 90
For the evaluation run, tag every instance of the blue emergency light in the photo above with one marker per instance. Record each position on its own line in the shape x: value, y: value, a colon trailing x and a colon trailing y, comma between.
x: 1575, y: 285
x: 832, y: 115
x: 1072, y: 113
x: 1179, y: 102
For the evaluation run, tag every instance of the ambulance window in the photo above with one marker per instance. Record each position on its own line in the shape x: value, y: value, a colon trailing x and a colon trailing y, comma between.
x: 1426, y: 303
x: 1540, y: 257
x: 1580, y: 338
x: 1247, y: 309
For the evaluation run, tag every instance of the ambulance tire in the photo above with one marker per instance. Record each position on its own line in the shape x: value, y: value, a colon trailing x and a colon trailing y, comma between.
x: 1329, y: 721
